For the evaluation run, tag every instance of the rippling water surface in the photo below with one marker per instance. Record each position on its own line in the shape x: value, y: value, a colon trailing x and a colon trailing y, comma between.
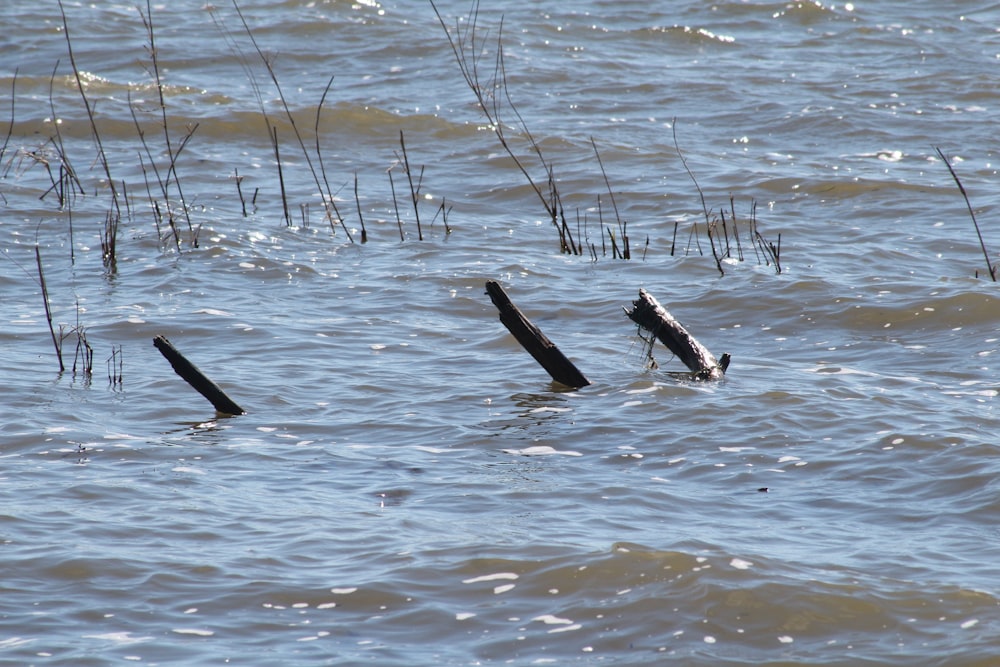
x: 408, y: 486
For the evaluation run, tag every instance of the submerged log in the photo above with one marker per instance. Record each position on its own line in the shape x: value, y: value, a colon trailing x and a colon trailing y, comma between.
x: 533, y: 340
x: 196, y: 378
x: 650, y: 315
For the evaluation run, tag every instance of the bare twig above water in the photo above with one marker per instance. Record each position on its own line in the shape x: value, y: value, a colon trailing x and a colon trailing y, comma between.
x: 68, y: 175
x: 102, y: 156
x: 626, y: 252
x: 490, y: 93
x: 327, y: 194
x: 720, y: 242
x: 704, y: 206
x: 443, y: 211
x: 116, y: 363
x: 414, y: 189
x: 84, y: 353
x: 173, y: 152
x: 328, y: 201
x: 992, y: 268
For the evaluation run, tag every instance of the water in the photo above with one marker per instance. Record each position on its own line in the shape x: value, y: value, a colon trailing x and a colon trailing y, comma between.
x: 407, y: 486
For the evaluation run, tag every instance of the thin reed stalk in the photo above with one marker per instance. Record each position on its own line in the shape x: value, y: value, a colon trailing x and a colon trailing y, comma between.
x: 152, y: 164
x: 771, y: 251
x: 701, y: 194
x: 736, y: 232
x: 328, y: 193
x: 468, y: 51
x: 84, y: 353
x: 325, y: 194
x: 715, y: 253
x: 615, y: 253
x: 102, y: 156
x: 128, y: 206
x: 239, y: 191
x: 443, y: 211
x: 56, y: 340
x: 109, y: 241
x: 10, y: 126
x: 281, y: 176
x: 626, y: 252
x: 361, y: 217
x: 69, y: 218
x: 414, y: 190
x: 725, y: 232
x: 173, y: 153
x: 69, y: 176
x: 115, y: 364
x: 990, y: 266
x: 395, y: 204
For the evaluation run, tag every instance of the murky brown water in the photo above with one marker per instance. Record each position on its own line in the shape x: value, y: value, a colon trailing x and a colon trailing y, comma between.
x: 407, y: 486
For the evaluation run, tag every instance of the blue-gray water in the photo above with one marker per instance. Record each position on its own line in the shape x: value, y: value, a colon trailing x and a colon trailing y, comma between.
x: 407, y: 486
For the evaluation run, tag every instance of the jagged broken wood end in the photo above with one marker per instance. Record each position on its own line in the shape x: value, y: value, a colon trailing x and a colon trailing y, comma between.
x: 651, y: 316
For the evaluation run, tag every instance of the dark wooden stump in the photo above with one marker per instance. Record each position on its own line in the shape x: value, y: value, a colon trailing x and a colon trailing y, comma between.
x: 196, y: 378
x: 650, y: 315
x: 533, y: 340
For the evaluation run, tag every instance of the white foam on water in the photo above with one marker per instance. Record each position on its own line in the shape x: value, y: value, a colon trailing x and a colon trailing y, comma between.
x: 644, y: 390
x: 549, y: 619
x: 541, y: 450
x: 565, y: 628
x: 119, y: 637
x: 491, y: 577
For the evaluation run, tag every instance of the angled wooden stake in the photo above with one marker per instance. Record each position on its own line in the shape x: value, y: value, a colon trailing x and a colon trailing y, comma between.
x: 533, y: 340
x: 196, y: 378
x: 650, y: 315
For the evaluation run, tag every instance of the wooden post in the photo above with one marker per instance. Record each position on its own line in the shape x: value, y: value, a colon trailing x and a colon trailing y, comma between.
x: 196, y: 378
x: 650, y: 315
x: 533, y: 340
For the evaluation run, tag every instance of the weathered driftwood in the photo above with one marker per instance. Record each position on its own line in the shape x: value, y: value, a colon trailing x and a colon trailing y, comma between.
x: 533, y: 340
x: 196, y: 378
x: 650, y: 315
